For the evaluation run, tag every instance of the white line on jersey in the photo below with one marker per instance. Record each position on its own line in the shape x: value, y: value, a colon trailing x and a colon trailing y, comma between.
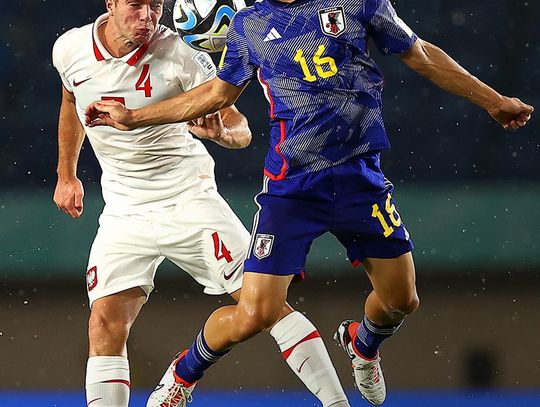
x: 272, y: 35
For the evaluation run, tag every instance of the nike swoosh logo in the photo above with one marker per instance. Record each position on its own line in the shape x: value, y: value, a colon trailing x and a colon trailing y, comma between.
x: 228, y: 276
x: 81, y: 82
x: 93, y: 401
x: 159, y: 387
x: 302, y: 365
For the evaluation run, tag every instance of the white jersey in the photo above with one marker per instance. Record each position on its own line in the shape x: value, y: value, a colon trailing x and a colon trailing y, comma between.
x: 145, y: 167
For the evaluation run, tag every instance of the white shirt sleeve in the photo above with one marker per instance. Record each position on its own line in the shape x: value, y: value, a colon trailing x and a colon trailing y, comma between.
x: 58, y: 55
x: 192, y: 67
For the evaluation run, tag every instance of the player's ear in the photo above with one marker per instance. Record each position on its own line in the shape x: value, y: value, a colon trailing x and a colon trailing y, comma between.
x: 109, y: 4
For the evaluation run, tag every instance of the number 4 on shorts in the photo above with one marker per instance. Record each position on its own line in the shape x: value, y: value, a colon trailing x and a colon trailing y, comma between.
x: 220, y: 250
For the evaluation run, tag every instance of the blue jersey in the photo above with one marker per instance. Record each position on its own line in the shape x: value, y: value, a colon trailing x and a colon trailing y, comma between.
x: 324, y: 90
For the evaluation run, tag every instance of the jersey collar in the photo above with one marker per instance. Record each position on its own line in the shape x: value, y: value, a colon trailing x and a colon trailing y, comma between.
x: 101, y: 53
x: 280, y: 4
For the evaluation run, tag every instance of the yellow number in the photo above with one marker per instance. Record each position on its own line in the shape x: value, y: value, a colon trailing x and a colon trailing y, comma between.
x: 319, y: 61
x: 299, y: 57
x: 392, y: 214
x: 387, y: 230
x: 222, y: 60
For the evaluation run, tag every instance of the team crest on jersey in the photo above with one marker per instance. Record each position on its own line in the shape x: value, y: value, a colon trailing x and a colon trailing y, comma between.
x: 91, y: 278
x: 332, y: 21
x: 263, y: 245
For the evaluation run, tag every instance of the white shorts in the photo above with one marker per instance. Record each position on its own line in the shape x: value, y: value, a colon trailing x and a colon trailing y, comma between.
x: 200, y: 233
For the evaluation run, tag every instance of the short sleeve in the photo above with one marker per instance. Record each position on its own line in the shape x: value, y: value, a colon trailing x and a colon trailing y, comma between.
x: 58, y: 55
x: 192, y: 67
x: 389, y: 32
x: 236, y: 66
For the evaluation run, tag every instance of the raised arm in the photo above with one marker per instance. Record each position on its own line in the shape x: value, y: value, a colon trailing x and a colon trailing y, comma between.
x: 207, y: 98
x: 69, y: 192
x: 434, y: 64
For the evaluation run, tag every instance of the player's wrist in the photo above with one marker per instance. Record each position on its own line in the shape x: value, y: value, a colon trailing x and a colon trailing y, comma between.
x: 490, y: 100
x: 134, y: 118
x: 65, y: 175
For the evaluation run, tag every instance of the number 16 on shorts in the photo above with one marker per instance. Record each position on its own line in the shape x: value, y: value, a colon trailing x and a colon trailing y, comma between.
x: 386, y: 216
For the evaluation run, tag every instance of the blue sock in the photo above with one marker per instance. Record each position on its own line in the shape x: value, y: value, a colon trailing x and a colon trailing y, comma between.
x: 369, y: 337
x: 198, y: 358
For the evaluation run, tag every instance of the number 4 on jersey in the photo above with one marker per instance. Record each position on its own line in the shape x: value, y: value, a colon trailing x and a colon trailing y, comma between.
x: 143, y: 83
x: 220, y: 250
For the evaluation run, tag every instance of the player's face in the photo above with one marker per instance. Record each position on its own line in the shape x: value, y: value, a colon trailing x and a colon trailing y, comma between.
x: 136, y: 20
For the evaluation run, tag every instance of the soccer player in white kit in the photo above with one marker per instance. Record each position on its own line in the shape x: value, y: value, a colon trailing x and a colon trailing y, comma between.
x: 161, y: 199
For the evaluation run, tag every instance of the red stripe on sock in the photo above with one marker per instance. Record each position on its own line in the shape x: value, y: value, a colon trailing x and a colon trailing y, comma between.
x: 313, y: 335
x: 99, y: 398
x: 126, y: 382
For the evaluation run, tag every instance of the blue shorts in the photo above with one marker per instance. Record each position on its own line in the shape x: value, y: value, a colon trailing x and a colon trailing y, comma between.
x: 352, y: 201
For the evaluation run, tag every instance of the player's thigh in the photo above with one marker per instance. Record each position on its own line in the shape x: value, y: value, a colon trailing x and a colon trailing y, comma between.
x: 285, y: 226
x: 366, y: 220
x: 123, y: 256
x: 394, y: 280
x: 205, y: 238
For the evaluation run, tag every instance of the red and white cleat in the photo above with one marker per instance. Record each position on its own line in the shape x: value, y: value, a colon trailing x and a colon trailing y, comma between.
x: 367, y: 373
x: 171, y: 391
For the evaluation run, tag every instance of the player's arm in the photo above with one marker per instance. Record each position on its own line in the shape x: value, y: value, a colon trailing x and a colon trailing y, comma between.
x: 433, y: 63
x: 206, y: 98
x: 69, y: 192
x: 227, y: 127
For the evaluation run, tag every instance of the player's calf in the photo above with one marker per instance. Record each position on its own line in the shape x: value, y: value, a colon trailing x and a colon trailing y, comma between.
x: 107, y: 337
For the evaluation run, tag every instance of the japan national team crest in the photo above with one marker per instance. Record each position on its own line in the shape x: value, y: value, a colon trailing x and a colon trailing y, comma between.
x: 263, y: 246
x: 91, y: 278
x: 332, y: 21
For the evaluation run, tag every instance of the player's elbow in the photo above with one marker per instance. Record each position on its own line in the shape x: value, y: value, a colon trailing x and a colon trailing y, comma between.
x: 245, y: 137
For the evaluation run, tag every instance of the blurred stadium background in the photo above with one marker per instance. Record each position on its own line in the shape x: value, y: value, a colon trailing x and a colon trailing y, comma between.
x: 468, y: 192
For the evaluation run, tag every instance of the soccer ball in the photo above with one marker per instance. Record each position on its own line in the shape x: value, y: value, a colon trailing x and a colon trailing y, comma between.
x: 203, y: 24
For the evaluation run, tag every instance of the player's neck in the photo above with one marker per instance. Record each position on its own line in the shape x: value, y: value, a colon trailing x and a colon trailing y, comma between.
x: 113, y: 42
x: 286, y: 1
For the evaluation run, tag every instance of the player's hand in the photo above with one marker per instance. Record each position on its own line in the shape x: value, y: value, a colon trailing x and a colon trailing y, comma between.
x: 68, y: 196
x: 511, y: 113
x: 210, y: 127
x: 109, y: 113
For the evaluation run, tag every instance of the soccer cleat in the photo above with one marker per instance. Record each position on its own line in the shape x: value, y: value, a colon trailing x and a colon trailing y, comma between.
x: 171, y: 391
x: 367, y: 373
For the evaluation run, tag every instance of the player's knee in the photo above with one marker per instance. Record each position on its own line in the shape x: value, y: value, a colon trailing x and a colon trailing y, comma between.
x: 403, y: 306
x: 254, y: 322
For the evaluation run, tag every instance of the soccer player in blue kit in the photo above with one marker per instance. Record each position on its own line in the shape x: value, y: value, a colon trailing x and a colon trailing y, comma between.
x: 322, y: 172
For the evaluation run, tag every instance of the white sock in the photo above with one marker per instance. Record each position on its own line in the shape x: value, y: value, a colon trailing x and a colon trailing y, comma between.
x: 107, y: 381
x: 306, y: 355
